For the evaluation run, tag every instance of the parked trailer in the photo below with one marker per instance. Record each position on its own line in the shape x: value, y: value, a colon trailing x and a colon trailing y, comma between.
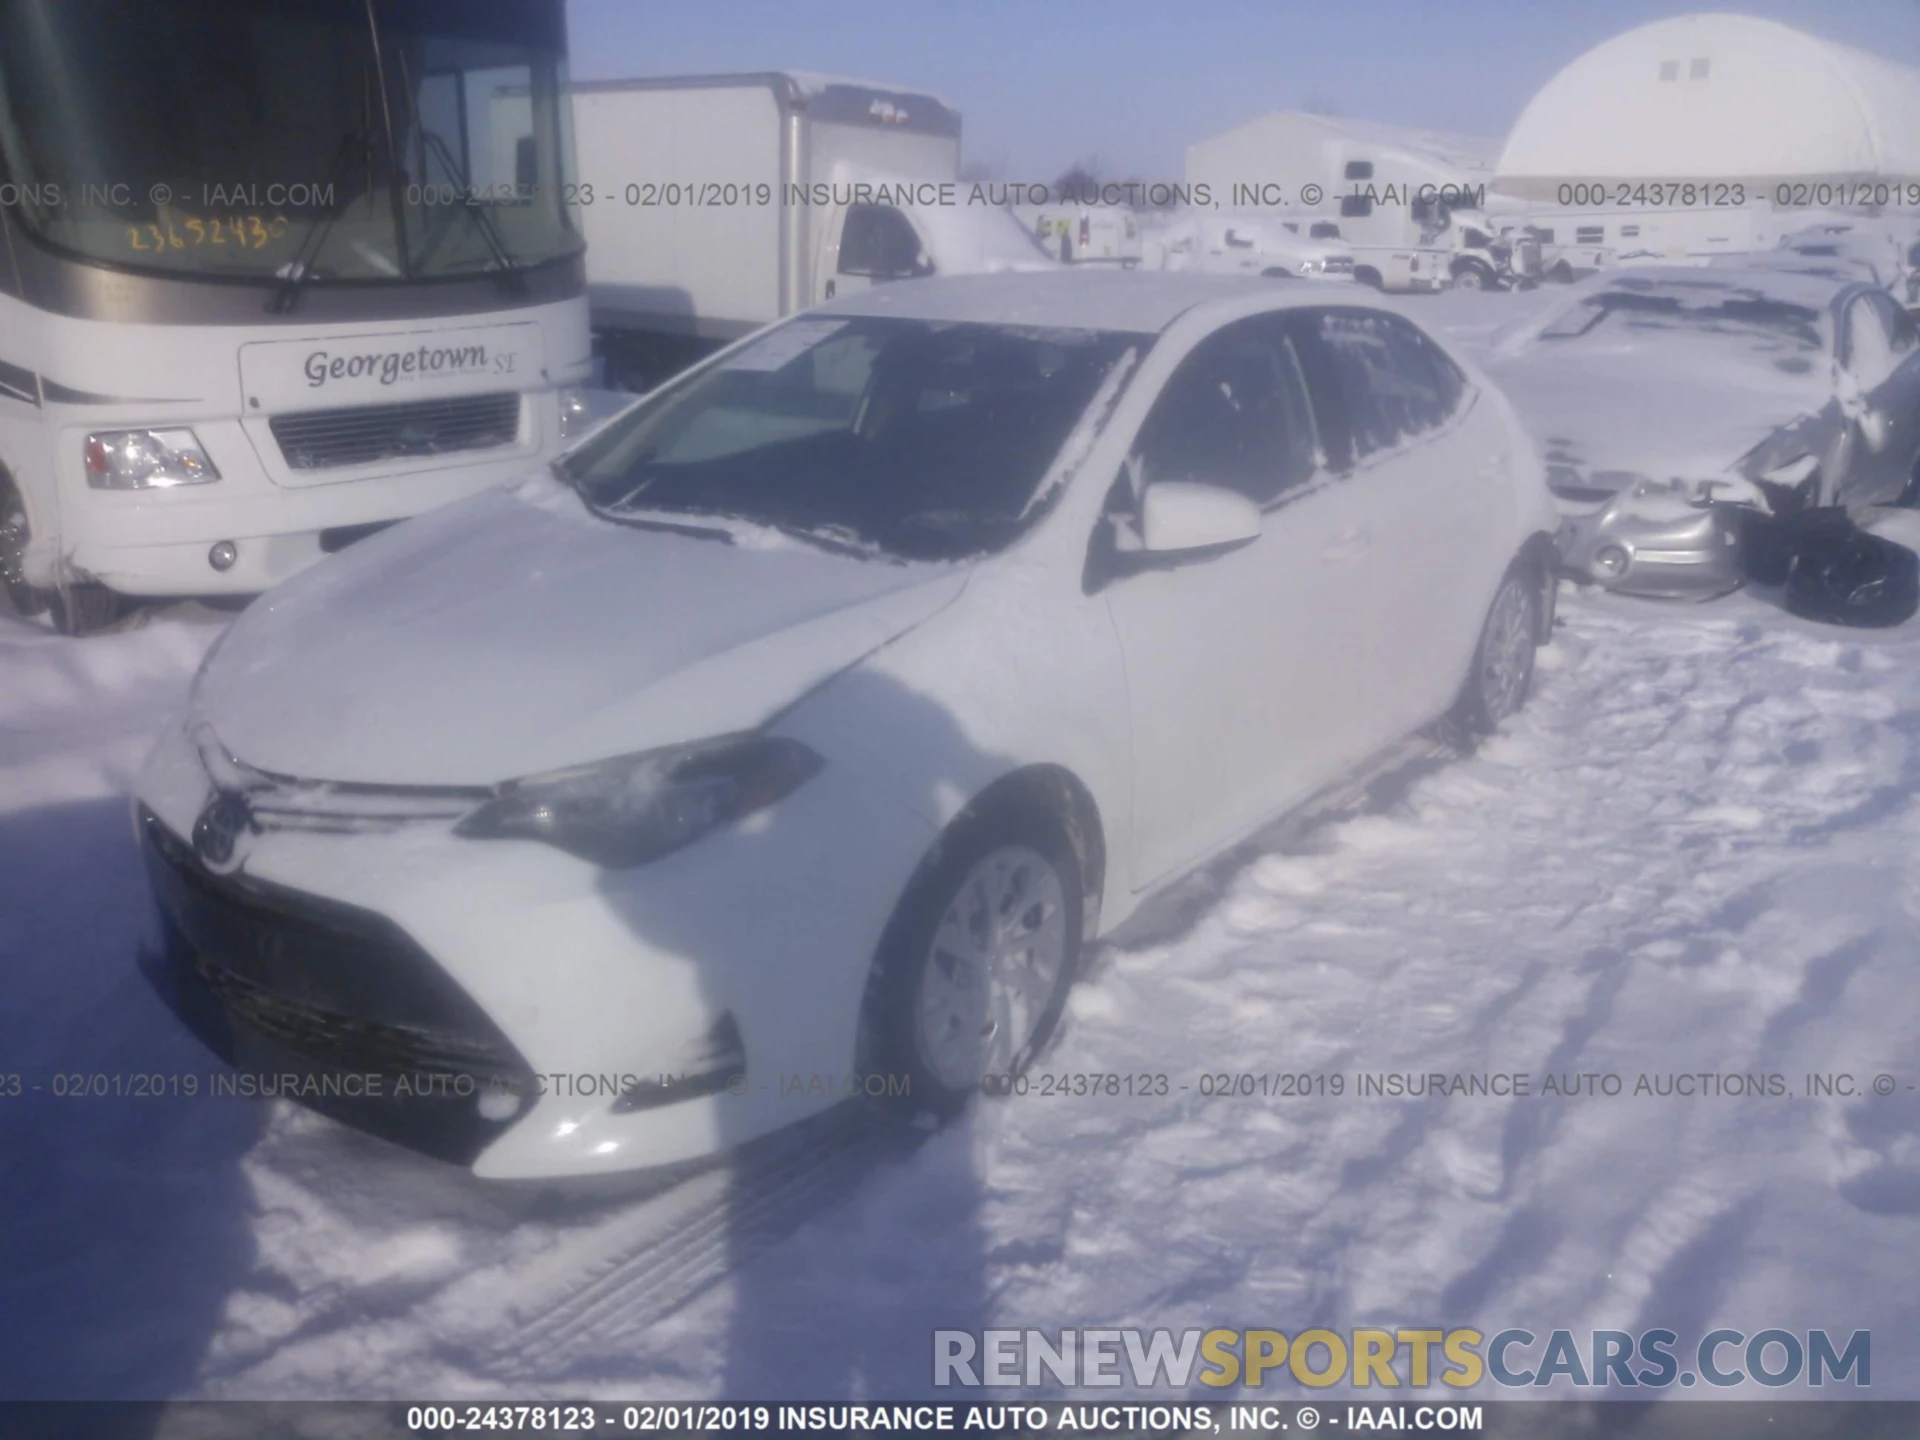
x: 1247, y: 243
x: 271, y: 288
x: 1078, y: 234
x: 720, y: 203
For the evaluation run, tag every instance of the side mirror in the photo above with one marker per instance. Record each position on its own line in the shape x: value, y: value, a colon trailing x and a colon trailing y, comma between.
x: 1176, y: 515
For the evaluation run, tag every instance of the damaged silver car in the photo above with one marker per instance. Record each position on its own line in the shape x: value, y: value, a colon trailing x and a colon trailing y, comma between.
x: 1668, y: 401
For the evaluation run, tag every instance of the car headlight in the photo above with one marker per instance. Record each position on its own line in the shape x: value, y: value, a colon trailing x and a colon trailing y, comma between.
x: 627, y: 811
x: 1311, y: 267
x: 146, y: 460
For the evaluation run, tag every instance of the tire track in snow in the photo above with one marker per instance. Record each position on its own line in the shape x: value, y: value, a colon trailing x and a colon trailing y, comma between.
x: 654, y: 1258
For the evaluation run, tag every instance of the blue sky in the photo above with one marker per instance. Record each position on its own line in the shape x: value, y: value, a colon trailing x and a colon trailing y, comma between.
x: 1045, y: 82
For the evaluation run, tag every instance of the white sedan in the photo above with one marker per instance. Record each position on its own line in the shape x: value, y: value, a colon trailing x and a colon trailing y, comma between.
x: 794, y: 737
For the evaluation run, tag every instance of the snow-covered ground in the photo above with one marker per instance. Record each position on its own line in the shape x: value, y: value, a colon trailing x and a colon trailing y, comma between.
x: 1695, y: 851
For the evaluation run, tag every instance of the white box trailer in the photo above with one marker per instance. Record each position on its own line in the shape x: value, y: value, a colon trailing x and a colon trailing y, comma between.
x: 1396, y: 193
x: 713, y: 205
x: 1078, y: 234
x: 1576, y: 242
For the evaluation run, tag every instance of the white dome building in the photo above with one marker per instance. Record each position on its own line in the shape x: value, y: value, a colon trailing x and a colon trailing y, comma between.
x: 1717, y: 98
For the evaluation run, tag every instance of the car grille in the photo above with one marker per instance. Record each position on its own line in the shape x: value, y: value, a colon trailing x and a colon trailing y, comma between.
x: 287, y: 984
x: 368, y: 434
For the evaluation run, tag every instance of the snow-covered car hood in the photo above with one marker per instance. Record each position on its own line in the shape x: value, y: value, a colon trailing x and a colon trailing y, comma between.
x: 516, y: 633
x: 1635, y: 412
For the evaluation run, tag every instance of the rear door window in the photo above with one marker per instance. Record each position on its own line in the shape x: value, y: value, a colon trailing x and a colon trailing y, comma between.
x: 1393, y: 383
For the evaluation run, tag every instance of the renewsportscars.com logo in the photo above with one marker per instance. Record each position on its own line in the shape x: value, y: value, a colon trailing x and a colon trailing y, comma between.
x: 1417, y: 1358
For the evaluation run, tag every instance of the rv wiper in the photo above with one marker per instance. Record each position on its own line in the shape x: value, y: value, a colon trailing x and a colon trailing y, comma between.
x: 502, y: 257
x: 295, y: 274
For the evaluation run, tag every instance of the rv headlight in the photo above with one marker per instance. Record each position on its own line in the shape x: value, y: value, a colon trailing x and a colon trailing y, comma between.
x: 575, y: 414
x: 146, y: 460
x: 627, y: 811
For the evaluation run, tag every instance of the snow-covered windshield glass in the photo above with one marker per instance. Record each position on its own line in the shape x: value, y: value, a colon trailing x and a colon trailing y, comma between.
x: 247, y: 139
x: 917, y: 439
x: 1748, y: 317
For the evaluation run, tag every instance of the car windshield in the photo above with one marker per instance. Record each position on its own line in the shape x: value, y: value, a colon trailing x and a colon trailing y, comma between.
x: 1745, y: 316
x: 915, y: 439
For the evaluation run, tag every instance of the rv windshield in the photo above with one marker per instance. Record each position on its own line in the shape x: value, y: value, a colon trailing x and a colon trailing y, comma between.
x: 333, y: 140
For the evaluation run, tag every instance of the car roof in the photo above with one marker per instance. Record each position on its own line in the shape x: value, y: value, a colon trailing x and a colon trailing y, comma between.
x: 1126, y: 301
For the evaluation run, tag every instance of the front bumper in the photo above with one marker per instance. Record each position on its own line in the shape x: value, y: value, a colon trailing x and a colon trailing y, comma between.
x: 157, y: 543
x: 1692, y: 555
x: 522, y: 991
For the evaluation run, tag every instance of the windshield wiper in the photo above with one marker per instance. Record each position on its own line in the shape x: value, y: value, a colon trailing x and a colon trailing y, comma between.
x: 505, y: 264
x: 661, y: 520
x: 299, y: 270
x: 835, y: 539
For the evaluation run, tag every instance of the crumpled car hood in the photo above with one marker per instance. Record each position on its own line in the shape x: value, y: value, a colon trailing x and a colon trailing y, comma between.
x: 516, y: 633
x: 1634, y: 414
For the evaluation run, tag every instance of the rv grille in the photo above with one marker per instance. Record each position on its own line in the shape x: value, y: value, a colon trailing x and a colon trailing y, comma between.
x: 368, y: 434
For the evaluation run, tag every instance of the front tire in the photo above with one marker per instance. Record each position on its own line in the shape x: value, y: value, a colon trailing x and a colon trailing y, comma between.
x: 26, y: 599
x: 974, y: 970
x: 1472, y: 277
x: 1502, y: 669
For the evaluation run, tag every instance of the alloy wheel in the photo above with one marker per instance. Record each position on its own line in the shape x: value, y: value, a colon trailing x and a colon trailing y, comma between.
x: 1506, y: 651
x: 993, y: 968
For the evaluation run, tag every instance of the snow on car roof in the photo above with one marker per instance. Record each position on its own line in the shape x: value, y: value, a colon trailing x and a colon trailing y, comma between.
x: 1070, y: 299
x: 1709, y: 283
x: 1695, y: 288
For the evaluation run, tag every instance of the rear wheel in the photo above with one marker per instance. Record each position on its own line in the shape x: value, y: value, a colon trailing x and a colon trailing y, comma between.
x: 1503, y: 660
x: 974, y: 970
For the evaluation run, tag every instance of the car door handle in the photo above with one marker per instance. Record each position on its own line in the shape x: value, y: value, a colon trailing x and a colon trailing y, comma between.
x: 1349, y: 545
